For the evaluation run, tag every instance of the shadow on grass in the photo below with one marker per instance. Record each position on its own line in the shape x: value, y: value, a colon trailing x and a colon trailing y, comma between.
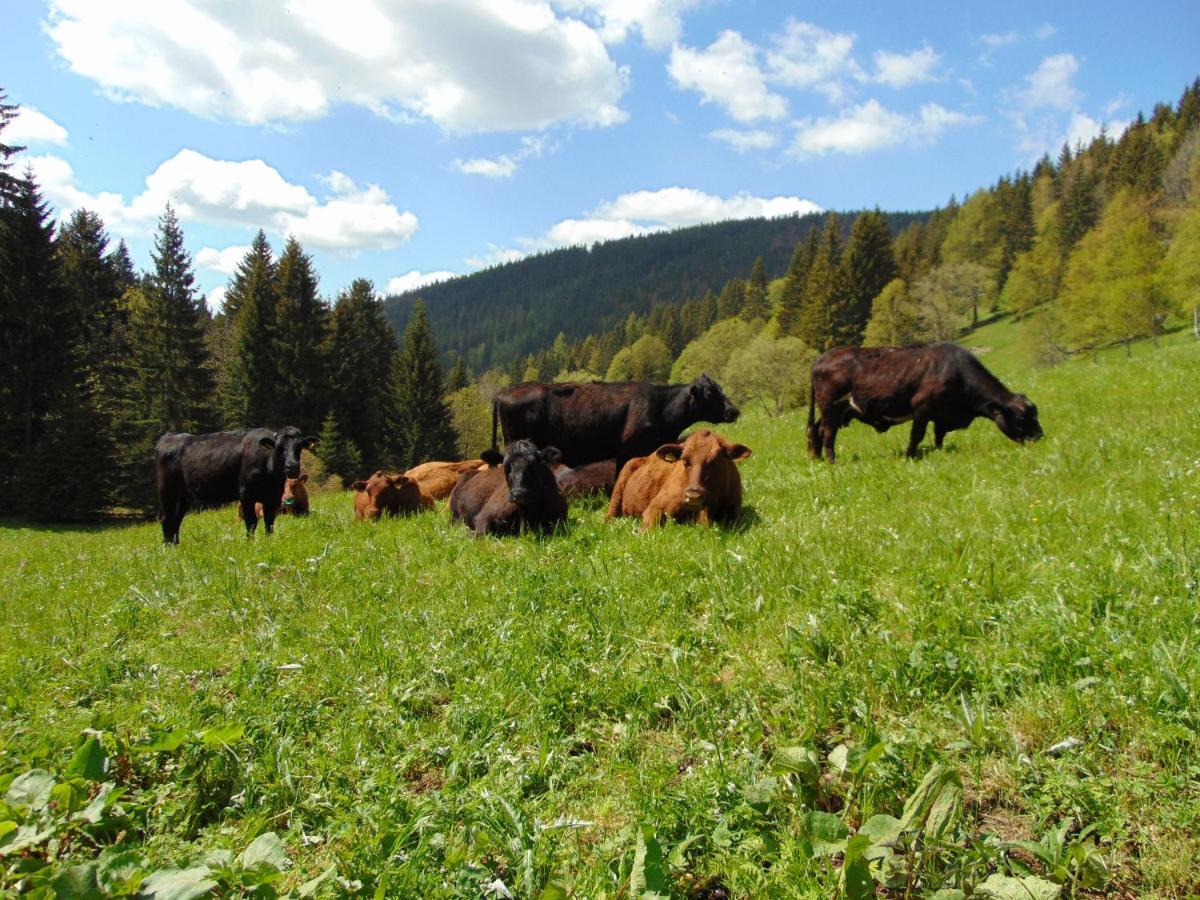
x: 108, y: 523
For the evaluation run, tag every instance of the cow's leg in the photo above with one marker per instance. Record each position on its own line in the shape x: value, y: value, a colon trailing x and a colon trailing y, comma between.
x: 918, y: 434
x: 268, y: 519
x: 652, y: 516
x: 939, y: 434
x: 829, y: 430
x: 249, y: 516
x: 173, y: 512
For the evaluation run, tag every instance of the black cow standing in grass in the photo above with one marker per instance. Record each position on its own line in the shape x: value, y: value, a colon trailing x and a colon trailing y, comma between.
x: 590, y: 421
x: 941, y: 383
x: 516, y: 492
x: 250, y: 466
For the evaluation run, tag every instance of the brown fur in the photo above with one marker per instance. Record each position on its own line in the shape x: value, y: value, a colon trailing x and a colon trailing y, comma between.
x: 437, y: 479
x: 393, y: 495
x: 520, y: 495
x: 294, y: 490
x: 693, y: 481
x: 588, y: 479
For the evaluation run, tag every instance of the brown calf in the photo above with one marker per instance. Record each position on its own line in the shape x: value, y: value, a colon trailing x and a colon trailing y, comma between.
x: 693, y: 481
x: 294, y: 502
x: 437, y: 479
x: 391, y: 494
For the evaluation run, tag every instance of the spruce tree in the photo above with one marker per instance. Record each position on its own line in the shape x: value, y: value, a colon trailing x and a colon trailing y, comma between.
x: 251, y: 393
x: 421, y: 429
x: 755, y: 304
x: 729, y: 301
x: 168, y: 337
x: 458, y: 378
x: 361, y: 346
x: 869, y: 265
x: 338, y: 454
x: 790, y: 306
x: 9, y: 185
x: 301, y: 340
x: 825, y: 289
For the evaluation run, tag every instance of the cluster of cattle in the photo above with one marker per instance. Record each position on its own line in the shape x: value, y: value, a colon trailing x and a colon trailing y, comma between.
x: 567, y: 440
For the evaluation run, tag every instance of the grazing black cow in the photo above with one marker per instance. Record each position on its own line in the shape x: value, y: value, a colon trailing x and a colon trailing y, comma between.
x: 250, y: 466
x: 590, y: 421
x: 941, y: 383
x: 522, y: 494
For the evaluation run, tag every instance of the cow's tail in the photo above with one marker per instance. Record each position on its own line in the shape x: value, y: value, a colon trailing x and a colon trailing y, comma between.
x: 814, y: 431
x: 495, y: 418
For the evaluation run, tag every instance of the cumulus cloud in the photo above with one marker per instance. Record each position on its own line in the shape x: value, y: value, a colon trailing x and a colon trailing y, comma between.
x: 506, y: 165
x: 676, y: 207
x: 810, y: 57
x: 900, y: 70
x: 31, y: 127
x: 223, y: 261
x: 658, y: 21
x: 870, y: 126
x: 727, y: 73
x: 465, y: 65
x: 247, y: 193
x: 745, y: 141
x: 413, y: 280
x: 1049, y: 86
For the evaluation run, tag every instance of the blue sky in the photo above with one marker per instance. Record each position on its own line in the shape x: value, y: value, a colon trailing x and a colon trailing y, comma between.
x: 402, y: 140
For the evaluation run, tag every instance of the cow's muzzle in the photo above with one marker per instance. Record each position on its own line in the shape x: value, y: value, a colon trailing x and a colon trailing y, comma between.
x: 519, y: 495
x: 292, y: 471
x: 693, y: 497
x: 731, y: 413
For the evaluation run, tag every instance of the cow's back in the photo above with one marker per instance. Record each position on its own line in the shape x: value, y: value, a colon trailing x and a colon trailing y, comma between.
x: 584, y: 420
x: 472, y: 492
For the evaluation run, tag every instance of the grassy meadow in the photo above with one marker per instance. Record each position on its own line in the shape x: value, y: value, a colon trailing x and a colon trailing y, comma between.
x: 975, y: 673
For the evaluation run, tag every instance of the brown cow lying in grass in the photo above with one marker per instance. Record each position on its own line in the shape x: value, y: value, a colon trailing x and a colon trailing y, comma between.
x: 692, y: 481
x: 437, y: 479
x: 391, y: 494
x: 588, y: 479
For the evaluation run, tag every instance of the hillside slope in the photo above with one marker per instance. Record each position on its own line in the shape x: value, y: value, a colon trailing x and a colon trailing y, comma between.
x: 493, y: 316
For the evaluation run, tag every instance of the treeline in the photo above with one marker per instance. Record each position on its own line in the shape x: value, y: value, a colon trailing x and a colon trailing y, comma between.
x: 97, y: 360
x: 494, y: 317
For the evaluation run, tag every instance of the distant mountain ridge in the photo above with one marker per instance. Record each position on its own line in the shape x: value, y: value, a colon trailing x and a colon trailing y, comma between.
x: 493, y: 316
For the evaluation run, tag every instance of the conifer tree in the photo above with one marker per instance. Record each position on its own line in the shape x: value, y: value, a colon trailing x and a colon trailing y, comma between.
x: 9, y: 185
x: 339, y: 455
x: 458, y: 378
x: 361, y: 348
x: 422, y: 429
x: 301, y: 340
x: 869, y: 265
x: 825, y: 289
x: 791, y: 299
x: 1078, y: 210
x: 755, y: 304
x: 167, y: 334
x: 729, y: 301
x: 251, y: 396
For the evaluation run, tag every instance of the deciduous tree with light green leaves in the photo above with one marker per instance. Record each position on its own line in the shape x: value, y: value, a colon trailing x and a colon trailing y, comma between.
x: 770, y: 370
x: 1036, y: 274
x: 648, y: 359
x: 895, y: 321
x: 711, y: 352
x: 1110, y: 294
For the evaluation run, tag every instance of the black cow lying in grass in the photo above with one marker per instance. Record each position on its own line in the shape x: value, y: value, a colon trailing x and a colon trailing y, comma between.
x: 521, y: 494
x: 248, y: 466
x: 941, y: 383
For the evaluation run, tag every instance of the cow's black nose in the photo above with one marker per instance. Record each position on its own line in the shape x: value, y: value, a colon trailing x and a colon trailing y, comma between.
x: 292, y: 471
x: 731, y: 413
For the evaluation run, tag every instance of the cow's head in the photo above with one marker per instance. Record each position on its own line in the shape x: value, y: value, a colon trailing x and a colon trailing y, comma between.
x: 294, y: 491
x: 708, y: 461
x: 285, y: 447
x: 1017, y: 417
x: 387, y: 493
x: 709, y: 402
x: 529, y: 472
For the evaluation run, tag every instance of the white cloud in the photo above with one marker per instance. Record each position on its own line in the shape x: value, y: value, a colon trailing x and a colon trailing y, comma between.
x: 659, y: 21
x: 1050, y: 86
x: 807, y: 56
x: 1000, y: 40
x: 216, y: 297
x: 575, y: 232
x: 870, y: 126
x: 727, y: 74
x: 466, y: 65
x: 745, y: 141
x: 33, y: 127
x: 496, y: 256
x: 412, y: 280
x: 224, y: 261
x: 900, y: 70
x: 248, y: 193
x: 506, y: 165
x: 677, y: 207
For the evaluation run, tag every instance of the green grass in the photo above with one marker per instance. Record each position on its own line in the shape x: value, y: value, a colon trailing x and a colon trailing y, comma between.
x: 540, y: 710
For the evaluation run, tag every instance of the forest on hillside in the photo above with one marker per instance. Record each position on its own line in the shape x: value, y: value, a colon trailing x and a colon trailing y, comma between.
x: 1095, y: 248
x: 503, y: 313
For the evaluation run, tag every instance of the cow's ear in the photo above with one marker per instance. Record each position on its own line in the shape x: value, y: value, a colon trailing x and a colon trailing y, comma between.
x: 267, y: 443
x: 550, y: 455
x: 737, y: 452
x: 359, y: 485
x: 309, y: 442
x: 303, y: 478
x: 491, y: 457
x: 669, y: 452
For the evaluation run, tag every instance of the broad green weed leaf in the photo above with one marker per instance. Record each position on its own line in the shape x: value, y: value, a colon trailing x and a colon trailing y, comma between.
x: 1005, y: 887
x: 266, y: 849
x: 223, y: 734
x: 178, y: 884
x: 90, y: 761
x: 168, y: 742
x: 309, y: 888
x: 799, y: 761
x: 649, y: 875
x: 934, y: 805
x: 31, y: 789
x: 827, y: 832
x: 77, y: 882
x: 554, y: 890
x: 881, y: 829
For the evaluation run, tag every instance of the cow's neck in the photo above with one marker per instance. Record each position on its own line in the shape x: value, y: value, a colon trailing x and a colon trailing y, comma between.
x: 677, y: 411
